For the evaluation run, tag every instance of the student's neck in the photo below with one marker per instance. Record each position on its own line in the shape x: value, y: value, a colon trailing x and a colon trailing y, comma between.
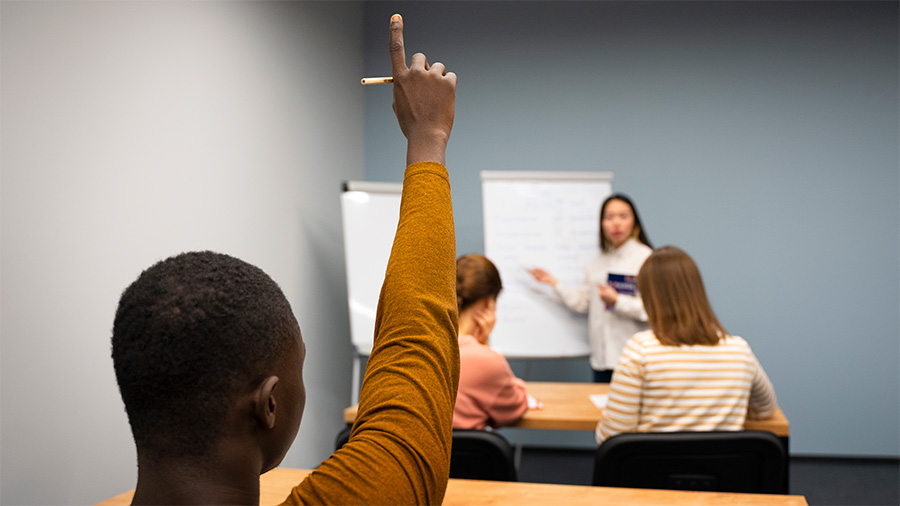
x: 194, y: 481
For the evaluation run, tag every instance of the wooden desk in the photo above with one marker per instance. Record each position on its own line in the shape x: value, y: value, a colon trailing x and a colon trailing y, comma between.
x: 275, y: 485
x: 567, y: 406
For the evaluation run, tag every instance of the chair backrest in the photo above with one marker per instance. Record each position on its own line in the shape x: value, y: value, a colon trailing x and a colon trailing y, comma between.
x: 475, y: 455
x: 482, y: 455
x: 342, y: 437
x: 746, y: 461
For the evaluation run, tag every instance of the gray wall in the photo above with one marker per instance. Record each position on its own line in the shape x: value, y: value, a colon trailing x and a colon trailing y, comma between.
x: 761, y: 137
x: 132, y: 131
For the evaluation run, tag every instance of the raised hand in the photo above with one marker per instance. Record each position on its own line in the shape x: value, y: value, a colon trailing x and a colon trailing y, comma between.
x: 608, y: 294
x: 424, y: 100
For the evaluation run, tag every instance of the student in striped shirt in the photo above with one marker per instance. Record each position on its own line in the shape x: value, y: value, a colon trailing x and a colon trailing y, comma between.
x: 686, y: 373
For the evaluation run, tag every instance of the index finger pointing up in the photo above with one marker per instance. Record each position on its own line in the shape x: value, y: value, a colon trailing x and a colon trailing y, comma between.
x: 398, y: 53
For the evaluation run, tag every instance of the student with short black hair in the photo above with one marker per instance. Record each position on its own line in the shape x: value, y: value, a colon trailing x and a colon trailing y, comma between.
x: 192, y: 333
x: 209, y: 357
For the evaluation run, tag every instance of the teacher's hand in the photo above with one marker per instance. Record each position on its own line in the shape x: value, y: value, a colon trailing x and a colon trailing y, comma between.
x: 543, y: 276
x: 608, y: 294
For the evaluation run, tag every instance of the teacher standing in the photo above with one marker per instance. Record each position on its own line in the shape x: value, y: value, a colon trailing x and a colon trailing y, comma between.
x: 613, y: 317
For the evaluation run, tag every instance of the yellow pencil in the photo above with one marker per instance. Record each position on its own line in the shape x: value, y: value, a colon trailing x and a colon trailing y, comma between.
x: 376, y: 80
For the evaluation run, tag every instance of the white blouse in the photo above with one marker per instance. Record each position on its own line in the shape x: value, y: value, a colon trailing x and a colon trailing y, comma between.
x: 609, y: 329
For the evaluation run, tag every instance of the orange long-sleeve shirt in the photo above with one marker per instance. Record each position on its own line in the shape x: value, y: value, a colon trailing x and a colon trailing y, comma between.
x: 399, y: 449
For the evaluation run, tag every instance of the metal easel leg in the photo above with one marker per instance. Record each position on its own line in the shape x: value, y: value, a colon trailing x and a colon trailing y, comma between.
x: 354, y: 388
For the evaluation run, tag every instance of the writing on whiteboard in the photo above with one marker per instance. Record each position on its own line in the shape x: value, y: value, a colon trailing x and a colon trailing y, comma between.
x: 541, y: 220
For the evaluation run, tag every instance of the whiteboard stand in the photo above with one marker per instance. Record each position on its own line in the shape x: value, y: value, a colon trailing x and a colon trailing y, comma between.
x: 357, y: 374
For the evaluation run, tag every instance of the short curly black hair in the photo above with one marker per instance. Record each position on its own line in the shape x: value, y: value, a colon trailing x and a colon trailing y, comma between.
x: 188, y: 333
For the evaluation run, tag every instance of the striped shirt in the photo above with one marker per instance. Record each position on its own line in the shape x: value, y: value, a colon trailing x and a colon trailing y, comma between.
x: 659, y: 388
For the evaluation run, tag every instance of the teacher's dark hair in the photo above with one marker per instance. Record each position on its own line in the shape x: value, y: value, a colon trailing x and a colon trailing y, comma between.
x: 190, y: 334
x: 638, y: 232
x: 477, y: 278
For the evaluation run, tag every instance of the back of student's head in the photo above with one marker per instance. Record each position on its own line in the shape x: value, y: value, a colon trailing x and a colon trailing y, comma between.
x: 189, y: 333
x: 477, y: 278
x: 675, y: 301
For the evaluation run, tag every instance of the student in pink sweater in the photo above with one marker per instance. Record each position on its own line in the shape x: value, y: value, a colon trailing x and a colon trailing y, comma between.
x: 489, y: 393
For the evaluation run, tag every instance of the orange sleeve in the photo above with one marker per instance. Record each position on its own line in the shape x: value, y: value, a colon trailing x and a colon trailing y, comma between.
x: 399, y: 449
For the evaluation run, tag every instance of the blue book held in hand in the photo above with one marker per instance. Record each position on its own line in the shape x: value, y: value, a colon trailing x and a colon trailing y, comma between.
x: 623, y: 283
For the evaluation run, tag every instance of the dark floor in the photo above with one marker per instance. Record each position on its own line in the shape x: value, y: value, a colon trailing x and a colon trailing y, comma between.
x: 824, y: 481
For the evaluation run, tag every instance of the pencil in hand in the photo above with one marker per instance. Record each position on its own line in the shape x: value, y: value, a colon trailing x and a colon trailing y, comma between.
x: 376, y: 80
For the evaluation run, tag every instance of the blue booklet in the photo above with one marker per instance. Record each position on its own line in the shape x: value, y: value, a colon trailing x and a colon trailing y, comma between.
x: 623, y: 283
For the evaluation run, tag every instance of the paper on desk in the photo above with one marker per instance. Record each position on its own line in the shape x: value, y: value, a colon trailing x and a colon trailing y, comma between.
x: 599, y: 400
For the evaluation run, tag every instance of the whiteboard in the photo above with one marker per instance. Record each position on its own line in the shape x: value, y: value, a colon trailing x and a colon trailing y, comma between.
x: 549, y: 220
x: 370, y: 213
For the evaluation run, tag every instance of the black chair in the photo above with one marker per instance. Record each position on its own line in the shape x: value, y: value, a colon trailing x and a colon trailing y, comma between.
x: 482, y: 455
x: 342, y: 437
x: 745, y: 461
x: 475, y: 455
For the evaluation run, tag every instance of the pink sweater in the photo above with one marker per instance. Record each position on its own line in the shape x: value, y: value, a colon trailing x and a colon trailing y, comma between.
x: 489, y: 393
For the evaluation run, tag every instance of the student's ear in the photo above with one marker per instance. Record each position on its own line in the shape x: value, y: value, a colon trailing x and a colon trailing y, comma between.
x: 264, y: 402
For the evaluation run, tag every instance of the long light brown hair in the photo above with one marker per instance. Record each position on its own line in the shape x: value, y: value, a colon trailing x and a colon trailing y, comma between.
x: 477, y: 278
x: 675, y: 300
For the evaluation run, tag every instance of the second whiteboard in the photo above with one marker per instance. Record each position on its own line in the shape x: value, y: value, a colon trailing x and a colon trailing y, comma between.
x: 549, y: 220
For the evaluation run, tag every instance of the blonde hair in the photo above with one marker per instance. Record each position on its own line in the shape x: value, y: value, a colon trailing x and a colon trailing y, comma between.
x: 675, y: 300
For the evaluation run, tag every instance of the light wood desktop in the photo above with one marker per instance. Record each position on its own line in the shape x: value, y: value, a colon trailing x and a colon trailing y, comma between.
x: 275, y: 485
x: 567, y: 406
